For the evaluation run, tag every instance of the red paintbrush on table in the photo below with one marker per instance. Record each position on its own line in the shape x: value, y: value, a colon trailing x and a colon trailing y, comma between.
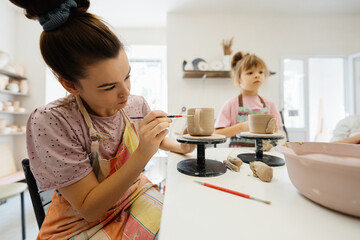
x: 233, y: 192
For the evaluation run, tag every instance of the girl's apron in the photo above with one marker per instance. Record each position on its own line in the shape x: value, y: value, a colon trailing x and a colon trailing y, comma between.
x: 135, y: 216
x: 243, y: 117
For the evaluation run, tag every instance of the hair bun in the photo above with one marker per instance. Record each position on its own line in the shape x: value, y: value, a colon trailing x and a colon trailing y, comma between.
x: 236, y: 58
x: 35, y: 9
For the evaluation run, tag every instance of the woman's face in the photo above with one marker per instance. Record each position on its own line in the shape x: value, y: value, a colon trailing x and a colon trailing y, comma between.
x: 107, y: 85
x: 252, y: 79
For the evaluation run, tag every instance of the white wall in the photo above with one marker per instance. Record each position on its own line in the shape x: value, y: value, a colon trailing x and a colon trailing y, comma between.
x: 7, y: 26
x: 28, y: 54
x: 141, y: 36
x: 199, y: 35
x: 20, y: 38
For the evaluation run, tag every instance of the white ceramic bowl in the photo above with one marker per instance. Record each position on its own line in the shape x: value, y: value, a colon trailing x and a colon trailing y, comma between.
x: 326, y: 173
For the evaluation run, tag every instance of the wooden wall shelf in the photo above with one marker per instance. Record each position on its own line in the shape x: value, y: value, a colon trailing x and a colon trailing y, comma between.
x: 209, y: 74
x: 13, y: 112
x: 13, y: 93
x: 12, y: 75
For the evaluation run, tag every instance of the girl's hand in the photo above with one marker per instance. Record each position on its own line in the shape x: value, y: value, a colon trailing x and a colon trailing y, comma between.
x: 152, y: 132
x: 276, y: 128
x: 244, y: 126
x: 187, y: 148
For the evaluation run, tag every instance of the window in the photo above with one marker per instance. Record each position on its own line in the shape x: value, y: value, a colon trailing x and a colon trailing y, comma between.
x: 148, y: 74
x: 294, y: 104
x: 314, y: 96
x: 326, y: 95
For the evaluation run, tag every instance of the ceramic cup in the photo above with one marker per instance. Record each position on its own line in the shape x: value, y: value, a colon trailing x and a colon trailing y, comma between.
x: 4, y: 80
x: 12, y: 87
x: 262, y: 123
x: 24, y: 88
x: 2, y: 123
x: 202, y: 121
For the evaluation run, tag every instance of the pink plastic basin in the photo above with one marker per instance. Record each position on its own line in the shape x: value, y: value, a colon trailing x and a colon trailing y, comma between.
x: 326, y: 173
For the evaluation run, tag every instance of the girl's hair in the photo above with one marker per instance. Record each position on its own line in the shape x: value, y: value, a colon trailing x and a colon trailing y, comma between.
x: 243, y: 62
x: 81, y: 41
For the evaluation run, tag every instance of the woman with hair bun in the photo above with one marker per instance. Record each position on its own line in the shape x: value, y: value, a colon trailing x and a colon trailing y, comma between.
x: 84, y: 146
x: 248, y: 72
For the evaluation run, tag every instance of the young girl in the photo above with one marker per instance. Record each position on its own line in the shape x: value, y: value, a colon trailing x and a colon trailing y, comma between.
x: 84, y: 146
x: 249, y: 72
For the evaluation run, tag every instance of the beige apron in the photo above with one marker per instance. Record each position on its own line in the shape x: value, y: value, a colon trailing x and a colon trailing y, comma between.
x: 243, y: 117
x: 135, y: 216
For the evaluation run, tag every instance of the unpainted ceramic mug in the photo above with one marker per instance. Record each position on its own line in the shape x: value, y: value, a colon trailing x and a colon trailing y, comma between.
x: 262, y: 123
x: 201, y: 123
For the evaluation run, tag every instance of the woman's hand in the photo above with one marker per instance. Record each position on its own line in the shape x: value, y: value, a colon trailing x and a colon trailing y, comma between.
x: 186, y: 148
x: 153, y: 129
x: 172, y: 145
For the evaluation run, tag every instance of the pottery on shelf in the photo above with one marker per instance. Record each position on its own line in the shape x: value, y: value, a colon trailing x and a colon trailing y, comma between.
x: 227, y: 62
x: 13, y: 87
x: 216, y: 65
x: 196, y: 61
x: 10, y: 68
x: 24, y: 87
x: 203, y: 66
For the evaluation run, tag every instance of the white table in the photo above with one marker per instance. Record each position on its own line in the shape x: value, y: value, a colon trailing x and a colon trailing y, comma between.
x: 192, y: 211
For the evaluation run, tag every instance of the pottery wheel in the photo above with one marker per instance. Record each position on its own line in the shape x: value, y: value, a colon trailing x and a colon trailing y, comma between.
x: 200, y: 166
x: 211, y: 137
x: 270, y: 160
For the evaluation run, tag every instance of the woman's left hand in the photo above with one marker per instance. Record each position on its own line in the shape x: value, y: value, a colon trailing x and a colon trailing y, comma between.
x: 187, y: 148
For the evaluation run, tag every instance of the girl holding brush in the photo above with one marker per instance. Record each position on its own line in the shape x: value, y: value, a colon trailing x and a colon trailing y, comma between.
x: 84, y: 146
x: 249, y: 73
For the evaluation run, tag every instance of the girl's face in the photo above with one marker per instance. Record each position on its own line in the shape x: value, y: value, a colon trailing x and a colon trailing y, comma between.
x: 252, y: 79
x: 107, y: 85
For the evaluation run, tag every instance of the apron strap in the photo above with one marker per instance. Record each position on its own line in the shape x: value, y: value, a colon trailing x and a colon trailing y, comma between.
x: 94, y: 138
x: 262, y: 101
x: 241, y: 101
x: 127, y: 121
x: 93, y: 132
x: 125, y: 116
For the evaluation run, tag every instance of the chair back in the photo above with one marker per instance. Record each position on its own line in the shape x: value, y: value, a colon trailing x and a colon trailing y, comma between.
x: 284, y: 128
x: 40, y: 200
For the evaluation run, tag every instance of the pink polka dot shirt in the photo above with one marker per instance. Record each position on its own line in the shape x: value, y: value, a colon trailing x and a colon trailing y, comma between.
x: 58, y: 140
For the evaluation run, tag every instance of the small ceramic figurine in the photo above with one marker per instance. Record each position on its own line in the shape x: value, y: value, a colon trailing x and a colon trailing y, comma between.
x: 261, y: 170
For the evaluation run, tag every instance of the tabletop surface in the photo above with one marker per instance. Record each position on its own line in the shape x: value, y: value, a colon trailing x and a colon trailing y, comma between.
x: 193, y: 211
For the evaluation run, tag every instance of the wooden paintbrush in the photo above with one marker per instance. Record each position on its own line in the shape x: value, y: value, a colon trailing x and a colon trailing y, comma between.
x: 233, y: 192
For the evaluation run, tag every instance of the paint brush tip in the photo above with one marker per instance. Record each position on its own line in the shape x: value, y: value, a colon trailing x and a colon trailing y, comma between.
x: 199, y: 182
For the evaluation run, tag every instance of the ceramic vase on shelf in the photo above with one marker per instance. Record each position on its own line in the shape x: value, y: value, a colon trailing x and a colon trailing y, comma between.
x: 227, y: 62
x: 24, y: 88
x: 4, y: 80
